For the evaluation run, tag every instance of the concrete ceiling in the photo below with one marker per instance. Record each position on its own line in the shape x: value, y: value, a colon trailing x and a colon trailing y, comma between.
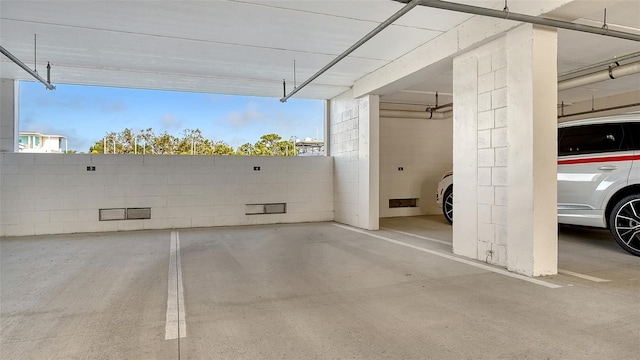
x: 248, y: 47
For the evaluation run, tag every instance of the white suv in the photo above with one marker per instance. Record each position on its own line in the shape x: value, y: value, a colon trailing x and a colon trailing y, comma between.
x: 598, y: 177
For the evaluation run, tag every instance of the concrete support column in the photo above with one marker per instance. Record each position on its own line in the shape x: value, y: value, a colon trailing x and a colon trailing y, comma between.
x: 9, y: 105
x: 327, y: 127
x: 354, y: 144
x: 369, y: 162
x: 505, y: 131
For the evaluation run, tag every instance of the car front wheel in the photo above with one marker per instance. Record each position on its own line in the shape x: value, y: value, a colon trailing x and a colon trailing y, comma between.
x: 624, y: 223
x: 447, y: 205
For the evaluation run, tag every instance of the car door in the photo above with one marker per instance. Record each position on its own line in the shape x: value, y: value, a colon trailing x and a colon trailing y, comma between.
x: 634, y: 130
x: 593, y: 162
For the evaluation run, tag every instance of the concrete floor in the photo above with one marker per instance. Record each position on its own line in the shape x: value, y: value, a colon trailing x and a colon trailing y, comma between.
x: 311, y: 291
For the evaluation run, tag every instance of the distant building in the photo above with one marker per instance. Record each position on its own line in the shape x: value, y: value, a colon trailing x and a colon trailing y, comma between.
x: 309, y: 147
x: 33, y: 142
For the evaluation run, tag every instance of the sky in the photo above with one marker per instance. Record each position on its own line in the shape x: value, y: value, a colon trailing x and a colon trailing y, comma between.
x: 84, y: 114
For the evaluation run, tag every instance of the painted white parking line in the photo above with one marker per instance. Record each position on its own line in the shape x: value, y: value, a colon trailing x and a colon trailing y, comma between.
x: 417, y: 236
x: 582, y: 276
x: 176, y: 325
x: 454, y: 258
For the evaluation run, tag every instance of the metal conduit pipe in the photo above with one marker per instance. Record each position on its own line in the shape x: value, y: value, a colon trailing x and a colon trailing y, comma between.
x: 26, y: 68
x: 408, y: 114
x: 474, y: 10
x: 600, y: 110
x: 507, y: 15
x: 613, y: 72
x: 600, y: 64
x: 353, y: 47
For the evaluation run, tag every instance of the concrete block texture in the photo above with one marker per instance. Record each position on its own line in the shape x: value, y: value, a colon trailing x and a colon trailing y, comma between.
x: 486, y: 157
x: 499, y: 98
x: 484, y: 176
x: 486, y: 120
x: 45, y: 200
x: 500, y: 117
x: 486, y: 195
x: 486, y: 82
x: 499, y: 137
x: 484, y: 102
x: 496, y: 83
x: 354, y: 125
x: 484, y: 139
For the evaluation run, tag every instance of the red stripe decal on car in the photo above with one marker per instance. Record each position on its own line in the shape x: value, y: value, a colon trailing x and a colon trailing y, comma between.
x: 599, y: 159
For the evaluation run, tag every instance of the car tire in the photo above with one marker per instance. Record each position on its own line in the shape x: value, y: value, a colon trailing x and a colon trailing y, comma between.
x: 447, y: 204
x: 624, y: 223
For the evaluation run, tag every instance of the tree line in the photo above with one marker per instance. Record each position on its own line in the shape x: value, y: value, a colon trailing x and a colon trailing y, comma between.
x: 190, y: 142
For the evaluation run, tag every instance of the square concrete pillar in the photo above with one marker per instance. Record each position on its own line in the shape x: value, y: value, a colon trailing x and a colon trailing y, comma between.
x: 354, y: 143
x: 369, y: 162
x: 504, y: 155
x: 9, y: 106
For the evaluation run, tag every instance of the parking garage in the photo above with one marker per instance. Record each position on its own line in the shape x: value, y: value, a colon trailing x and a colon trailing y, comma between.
x: 361, y: 263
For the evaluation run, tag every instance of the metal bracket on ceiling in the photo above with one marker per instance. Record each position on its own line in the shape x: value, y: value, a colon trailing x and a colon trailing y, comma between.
x: 284, y: 87
x: 432, y: 109
x: 611, y: 67
x: 604, y: 23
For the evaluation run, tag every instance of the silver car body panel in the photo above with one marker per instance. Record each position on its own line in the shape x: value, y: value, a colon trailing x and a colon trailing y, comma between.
x: 587, y: 182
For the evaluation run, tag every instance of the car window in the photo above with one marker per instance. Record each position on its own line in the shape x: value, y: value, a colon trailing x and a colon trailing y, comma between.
x: 634, y: 132
x: 587, y: 139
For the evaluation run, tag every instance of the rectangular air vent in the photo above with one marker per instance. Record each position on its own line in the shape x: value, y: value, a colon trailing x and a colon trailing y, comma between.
x: 138, y: 213
x: 124, y: 214
x: 401, y: 203
x: 260, y: 209
x: 111, y: 214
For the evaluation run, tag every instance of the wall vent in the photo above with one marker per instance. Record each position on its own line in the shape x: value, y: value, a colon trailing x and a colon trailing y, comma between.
x: 260, y: 209
x: 138, y: 213
x: 124, y: 214
x: 112, y: 214
x: 402, y: 203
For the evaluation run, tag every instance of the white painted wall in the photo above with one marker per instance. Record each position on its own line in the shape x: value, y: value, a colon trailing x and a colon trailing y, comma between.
x: 354, y: 145
x: 424, y: 149
x: 9, y: 95
x: 532, y: 99
x: 52, y: 193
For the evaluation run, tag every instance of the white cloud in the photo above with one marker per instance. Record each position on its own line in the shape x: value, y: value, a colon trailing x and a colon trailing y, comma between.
x: 113, y: 107
x: 245, y: 117
x: 169, y: 122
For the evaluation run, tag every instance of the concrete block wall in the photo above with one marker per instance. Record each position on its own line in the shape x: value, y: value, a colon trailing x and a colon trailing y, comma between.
x: 354, y: 144
x: 343, y: 125
x: 9, y: 91
x: 483, y: 160
x: 492, y: 154
x: 504, y: 169
x: 424, y: 149
x: 54, y: 193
